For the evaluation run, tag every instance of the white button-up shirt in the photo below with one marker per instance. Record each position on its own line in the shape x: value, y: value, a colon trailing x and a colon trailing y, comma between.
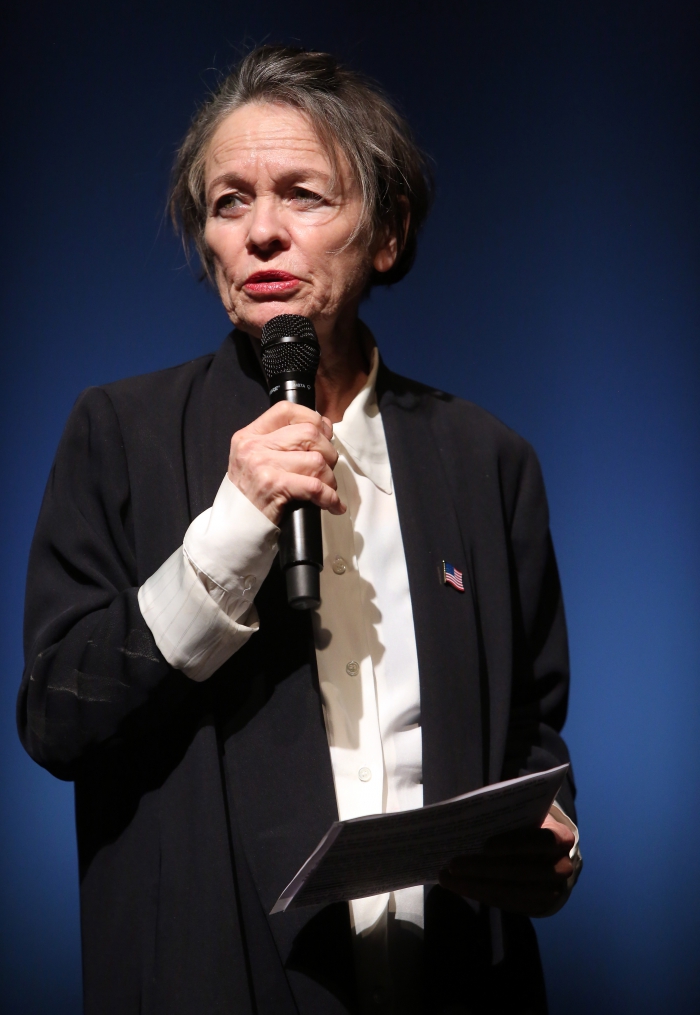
x: 366, y: 644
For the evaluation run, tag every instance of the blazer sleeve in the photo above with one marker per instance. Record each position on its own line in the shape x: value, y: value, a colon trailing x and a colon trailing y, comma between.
x: 91, y: 660
x: 541, y: 657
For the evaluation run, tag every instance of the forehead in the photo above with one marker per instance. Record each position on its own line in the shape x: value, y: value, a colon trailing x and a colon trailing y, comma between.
x: 275, y: 135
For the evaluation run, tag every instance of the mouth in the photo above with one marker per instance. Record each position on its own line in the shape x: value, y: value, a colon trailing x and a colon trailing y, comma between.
x: 268, y: 283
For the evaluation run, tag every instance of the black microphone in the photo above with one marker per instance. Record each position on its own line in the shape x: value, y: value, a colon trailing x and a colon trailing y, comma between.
x: 290, y: 357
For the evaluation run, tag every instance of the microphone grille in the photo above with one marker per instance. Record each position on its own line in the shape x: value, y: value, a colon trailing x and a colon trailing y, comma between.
x: 290, y: 357
x: 288, y: 326
x: 289, y: 345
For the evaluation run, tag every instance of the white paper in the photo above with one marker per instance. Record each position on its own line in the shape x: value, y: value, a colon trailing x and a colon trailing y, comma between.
x: 385, y: 852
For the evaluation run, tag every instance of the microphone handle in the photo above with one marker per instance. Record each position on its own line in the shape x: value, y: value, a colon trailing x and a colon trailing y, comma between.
x: 300, y: 541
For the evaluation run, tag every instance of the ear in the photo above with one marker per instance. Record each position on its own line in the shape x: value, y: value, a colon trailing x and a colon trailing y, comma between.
x: 386, y: 245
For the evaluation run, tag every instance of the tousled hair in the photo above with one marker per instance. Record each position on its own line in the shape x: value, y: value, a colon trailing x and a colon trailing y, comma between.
x: 351, y: 116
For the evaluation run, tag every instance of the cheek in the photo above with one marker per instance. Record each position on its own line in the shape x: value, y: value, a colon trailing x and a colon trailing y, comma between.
x: 210, y: 237
x: 224, y: 248
x: 352, y: 267
x: 337, y: 266
x: 317, y: 238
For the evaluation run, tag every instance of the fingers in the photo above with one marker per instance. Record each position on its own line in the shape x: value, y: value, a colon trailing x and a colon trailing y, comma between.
x: 270, y: 487
x: 562, y: 833
x: 253, y: 450
x: 302, y: 437
x: 521, y: 872
x: 553, y: 840
x: 292, y: 486
x: 304, y: 463
x: 295, y: 475
x: 286, y: 454
x: 287, y: 413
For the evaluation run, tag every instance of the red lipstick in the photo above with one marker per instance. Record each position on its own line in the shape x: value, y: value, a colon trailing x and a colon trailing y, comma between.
x: 267, y: 283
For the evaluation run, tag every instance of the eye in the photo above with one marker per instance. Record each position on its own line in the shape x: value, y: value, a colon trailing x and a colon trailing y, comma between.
x: 228, y: 204
x: 304, y: 196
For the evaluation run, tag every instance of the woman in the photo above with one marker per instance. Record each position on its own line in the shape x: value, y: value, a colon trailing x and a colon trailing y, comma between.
x: 213, y: 734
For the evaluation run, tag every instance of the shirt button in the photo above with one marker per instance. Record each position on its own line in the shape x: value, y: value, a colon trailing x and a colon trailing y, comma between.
x: 365, y: 774
x: 248, y: 582
x: 339, y: 565
x: 352, y: 668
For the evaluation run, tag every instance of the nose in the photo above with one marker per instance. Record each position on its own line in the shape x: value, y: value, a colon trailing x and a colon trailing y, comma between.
x: 267, y: 234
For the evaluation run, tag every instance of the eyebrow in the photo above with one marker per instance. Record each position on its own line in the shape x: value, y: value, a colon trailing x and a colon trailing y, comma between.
x: 296, y: 173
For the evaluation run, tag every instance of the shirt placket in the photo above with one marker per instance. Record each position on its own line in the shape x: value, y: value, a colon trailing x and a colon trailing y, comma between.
x: 346, y: 671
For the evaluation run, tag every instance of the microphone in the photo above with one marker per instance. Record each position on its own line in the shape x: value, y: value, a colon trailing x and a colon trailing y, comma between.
x: 290, y: 357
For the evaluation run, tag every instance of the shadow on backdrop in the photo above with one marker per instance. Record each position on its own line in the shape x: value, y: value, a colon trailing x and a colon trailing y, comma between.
x: 556, y: 285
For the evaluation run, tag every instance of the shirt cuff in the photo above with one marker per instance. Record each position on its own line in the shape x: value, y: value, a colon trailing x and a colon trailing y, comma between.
x: 559, y: 814
x: 194, y: 634
x: 232, y: 544
x: 199, y: 603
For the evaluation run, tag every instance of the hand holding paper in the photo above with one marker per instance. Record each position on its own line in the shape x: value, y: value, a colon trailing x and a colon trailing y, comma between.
x: 525, y: 871
x: 385, y: 852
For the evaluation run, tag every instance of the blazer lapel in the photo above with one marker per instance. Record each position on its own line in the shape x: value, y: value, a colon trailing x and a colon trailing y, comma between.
x: 231, y: 395
x: 447, y: 636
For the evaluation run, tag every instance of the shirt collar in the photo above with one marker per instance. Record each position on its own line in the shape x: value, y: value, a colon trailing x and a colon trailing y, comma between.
x: 361, y: 432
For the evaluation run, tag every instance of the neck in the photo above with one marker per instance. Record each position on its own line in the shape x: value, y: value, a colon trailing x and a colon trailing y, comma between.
x: 343, y: 369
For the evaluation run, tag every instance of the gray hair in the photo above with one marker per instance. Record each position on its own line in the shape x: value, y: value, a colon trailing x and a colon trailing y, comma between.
x: 350, y: 115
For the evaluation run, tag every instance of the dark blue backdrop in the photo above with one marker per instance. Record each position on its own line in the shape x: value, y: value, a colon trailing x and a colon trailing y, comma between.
x: 556, y: 285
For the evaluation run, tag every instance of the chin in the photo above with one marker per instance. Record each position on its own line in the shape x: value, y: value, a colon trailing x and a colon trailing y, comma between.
x: 252, y: 319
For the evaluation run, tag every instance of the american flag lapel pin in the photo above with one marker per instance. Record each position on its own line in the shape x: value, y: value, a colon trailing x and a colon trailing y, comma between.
x: 451, y: 576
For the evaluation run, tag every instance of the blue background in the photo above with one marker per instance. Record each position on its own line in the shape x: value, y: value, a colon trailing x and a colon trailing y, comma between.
x: 557, y: 285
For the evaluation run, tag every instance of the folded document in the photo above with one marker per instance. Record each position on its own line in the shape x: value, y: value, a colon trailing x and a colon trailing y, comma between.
x: 384, y: 852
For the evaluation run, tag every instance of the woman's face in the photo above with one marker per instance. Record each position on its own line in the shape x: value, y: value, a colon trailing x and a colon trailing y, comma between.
x: 276, y: 227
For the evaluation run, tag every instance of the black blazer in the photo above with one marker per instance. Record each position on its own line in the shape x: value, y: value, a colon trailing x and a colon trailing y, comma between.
x: 197, y: 803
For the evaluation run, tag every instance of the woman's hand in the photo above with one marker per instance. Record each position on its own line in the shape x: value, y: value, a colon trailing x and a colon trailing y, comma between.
x: 520, y: 872
x: 285, y: 454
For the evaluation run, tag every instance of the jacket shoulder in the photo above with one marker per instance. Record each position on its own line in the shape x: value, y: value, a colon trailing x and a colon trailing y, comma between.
x: 137, y: 406
x: 467, y: 420
x: 159, y: 387
x: 482, y: 457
